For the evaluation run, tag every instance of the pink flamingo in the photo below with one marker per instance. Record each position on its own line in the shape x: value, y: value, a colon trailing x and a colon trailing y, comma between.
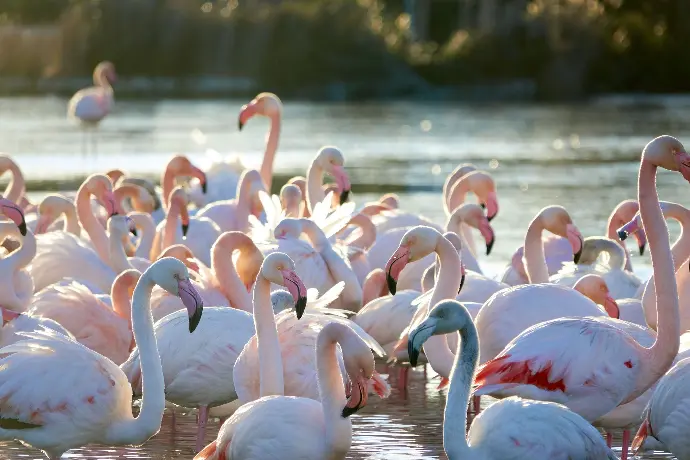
x: 224, y: 175
x: 16, y: 189
x: 593, y: 366
x: 91, y: 105
x: 93, y: 323
x: 58, y: 395
x: 16, y: 284
x: 328, y: 160
x: 198, y: 372
x: 51, y: 209
x: 511, y: 428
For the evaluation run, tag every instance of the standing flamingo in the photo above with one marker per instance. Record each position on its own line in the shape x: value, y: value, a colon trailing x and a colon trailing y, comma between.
x: 58, y: 395
x: 593, y: 366
x: 91, y: 105
x: 512, y: 428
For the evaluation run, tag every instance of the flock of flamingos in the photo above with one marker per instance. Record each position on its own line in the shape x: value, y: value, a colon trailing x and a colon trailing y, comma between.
x: 269, y: 312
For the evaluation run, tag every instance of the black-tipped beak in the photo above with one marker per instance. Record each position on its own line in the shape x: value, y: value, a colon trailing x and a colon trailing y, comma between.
x: 490, y: 245
x: 482, y: 205
x: 300, y: 306
x: 133, y: 231
x: 347, y: 411
x: 204, y: 185
x: 576, y: 259
x: 412, y: 353
x: 344, y: 196
x: 195, y: 318
x: 240, y: 125
x: 642, y: 246
x: 623, y: 235
x: 392, y: 284
x: 462, y: 283
x: 22, y: 228
x: 185, y: 228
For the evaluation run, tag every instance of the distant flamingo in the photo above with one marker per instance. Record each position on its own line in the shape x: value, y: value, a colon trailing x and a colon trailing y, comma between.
x: 299, y: 427
x: 512, y: 428
x: 223, y: 175
x: 91, y: 105
x: 198, y: 368
x: 593, y: 366
x: 92, y: 322
x: 82, y: 397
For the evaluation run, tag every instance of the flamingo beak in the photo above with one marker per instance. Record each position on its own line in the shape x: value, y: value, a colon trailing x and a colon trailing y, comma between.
x: 611, y: 307
x: 491, y: 206
x: 185, y: 229
x: 641, y: 238
x: 631, y: 227
x: 358, y: 397
x: 297, y: 289
x: 575, y: 239
x: 13, y: 212
x: 488, y: 234
x: 246, y: 112
x: 192, y: 300
x: 8, y: 315
x: 395, y: 265
x: 462, y: 278
x: 417, y: 337
x: 199, y: 174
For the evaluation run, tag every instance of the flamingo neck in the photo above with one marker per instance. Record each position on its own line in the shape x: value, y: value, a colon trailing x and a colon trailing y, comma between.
x: 270, y: 153
x: 167, y: 185
x: 457, y: 194
x: 315, y: 193
x: 17, y: 187
x: 171, y: 225
x: 88, y: 221
x: 659, y: 357
x: 118, y: 256
x: 244, y: 189
x: 436, y: 348
x: 119, y: 294
x: 147, y: 230
x: 535, y: 261
x: 22, y: 256
x: 680, y: 250
x: 229, y: 281
x: 455, y: 414
x: 138, y: 430
x: 125, y: 191
x: 368, y: 236
x: 71, y: 221
x: 270, y: 359
x: 331, y: 389
x: 612, y: 233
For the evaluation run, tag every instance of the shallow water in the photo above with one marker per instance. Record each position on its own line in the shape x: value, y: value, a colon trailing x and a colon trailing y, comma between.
x: 582, y: 157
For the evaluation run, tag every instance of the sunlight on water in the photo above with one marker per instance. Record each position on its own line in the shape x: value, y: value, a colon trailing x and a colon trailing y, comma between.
x: 582, y: 157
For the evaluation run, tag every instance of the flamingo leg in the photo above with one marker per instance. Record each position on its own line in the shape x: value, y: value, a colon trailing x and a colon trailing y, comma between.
x: 609, y: 439
x: 476, y: 400
x: 201, y: 428
x: 626, y: 443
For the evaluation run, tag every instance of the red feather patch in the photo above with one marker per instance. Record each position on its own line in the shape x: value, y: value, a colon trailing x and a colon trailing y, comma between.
x: 499, y: 371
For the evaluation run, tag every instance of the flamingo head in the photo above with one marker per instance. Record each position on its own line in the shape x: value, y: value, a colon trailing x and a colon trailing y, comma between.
x: 557, y: 220
x: 594, y: 287
x: 278, y: 268
x: 183, y: 254
x: 417, y: 243
x: 265, y: 104
x: 180, y: 165
x: 456, y: 241
x: 668, y: 152
x: 281, y: 300
x: 289, y: 228
x: 172, y: 275
x: 99, y: 185
x: 625, y: 212
x: 13, y: 212
x: 445, y: 317
x: 359, y: 366
x: 472, y: 215
x: 105, y: 73
x: 482, y: 185
x: 179, y: 200
x: 115, y: 175
x: 290, y: 199
x: 391, y: 200
x: 332, y: 161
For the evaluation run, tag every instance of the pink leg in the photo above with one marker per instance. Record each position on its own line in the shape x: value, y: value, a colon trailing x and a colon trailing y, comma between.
x: 201, y: 428
x: 609, y: 439
x: 626, y: 442
x: 424, y: 372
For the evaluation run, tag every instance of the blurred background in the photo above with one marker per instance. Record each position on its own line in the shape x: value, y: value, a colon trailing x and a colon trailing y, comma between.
x: 349, y: 49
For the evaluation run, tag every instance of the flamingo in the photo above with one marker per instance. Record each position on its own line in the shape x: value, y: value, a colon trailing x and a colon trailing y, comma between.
x: 298, y: 427
x: 16, y: 284
x: 58, y: 395
x: 16, y: 188
x: 49, y: 211
x: 198, y: 369
x: 666, y: 416
x: 234, y: 214
x: 93, y: 323
x: 593, y: 366
x: 620, y: 282
x: 328, y: 160
x: 197, y: 233
x: 224, y: 175
x: 14, y: 323
x: 89, y: 106
x: 512, y: 428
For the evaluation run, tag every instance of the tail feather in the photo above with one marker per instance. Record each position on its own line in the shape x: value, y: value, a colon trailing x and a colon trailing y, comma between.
x: 640, y: 436
x: 503, y: 371
x: 208, y: 453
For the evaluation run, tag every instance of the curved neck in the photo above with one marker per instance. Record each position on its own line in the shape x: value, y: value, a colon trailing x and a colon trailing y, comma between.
x: 71, y: 220
x: 331, y: 389
x: 368, y: 236
x: 96, y: 232
x: 244, y: 189
x: 118, y: 256
x: 612, y: 233
x: 457, y: 194
x: 270, y: 359
x: 681, y: 247
x: 436, y: 348
x: 23, y: 256
x: 172, y: 222
x: 664, y: 349
x: 455, y: 415
x: 229, y: 281
x: 137, y: 430
x: 167, y: 185
x: 270, y: 153
x: 119, y: 294
x: 535, y: 261
x: 315, y: 193
x: 123, y: 191
x: 16, y: 187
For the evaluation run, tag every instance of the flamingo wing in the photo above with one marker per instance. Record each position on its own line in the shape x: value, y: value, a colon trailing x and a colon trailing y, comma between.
x: 588, y: 365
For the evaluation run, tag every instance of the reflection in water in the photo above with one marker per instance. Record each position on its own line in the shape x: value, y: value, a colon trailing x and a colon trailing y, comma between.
x: 583, y: 157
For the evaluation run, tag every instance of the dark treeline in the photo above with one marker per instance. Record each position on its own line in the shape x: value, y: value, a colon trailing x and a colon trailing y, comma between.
x: 566, y: 48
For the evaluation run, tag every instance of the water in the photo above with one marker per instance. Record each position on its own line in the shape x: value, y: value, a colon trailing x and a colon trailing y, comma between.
x: 583, y: 157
